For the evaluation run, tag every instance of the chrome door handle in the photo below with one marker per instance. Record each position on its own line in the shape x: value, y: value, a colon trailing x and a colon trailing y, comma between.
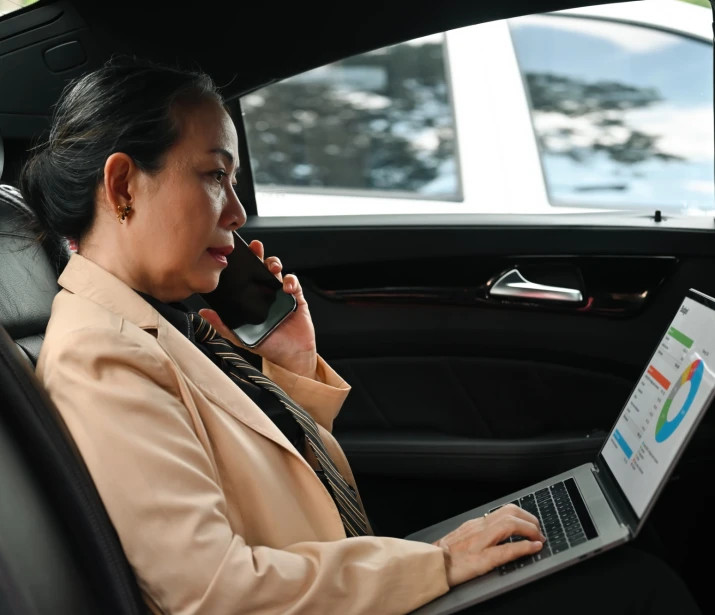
x: 515, y: 286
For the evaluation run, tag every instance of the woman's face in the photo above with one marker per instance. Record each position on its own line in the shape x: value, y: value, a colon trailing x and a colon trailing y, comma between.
x: 182, y: 219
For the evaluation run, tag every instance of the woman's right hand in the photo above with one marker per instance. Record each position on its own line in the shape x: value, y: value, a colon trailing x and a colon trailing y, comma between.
x: 477, y: 546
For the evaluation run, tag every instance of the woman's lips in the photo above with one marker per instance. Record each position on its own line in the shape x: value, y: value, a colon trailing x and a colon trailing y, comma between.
x: 220, y: 254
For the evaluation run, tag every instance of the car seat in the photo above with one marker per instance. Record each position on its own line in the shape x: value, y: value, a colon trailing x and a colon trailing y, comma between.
x: 59, y: 553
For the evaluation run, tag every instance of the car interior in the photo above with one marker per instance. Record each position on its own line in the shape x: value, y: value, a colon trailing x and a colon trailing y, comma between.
x: 458, y: 395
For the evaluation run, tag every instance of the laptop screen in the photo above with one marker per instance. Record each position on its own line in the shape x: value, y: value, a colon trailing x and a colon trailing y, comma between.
x: 665, y: 406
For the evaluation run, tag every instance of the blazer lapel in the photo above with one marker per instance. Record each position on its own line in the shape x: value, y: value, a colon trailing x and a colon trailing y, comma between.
x: 218, y: 387
x: 83, y: 277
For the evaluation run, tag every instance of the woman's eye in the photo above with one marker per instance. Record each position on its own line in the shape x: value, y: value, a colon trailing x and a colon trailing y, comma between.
x: 219, y: 175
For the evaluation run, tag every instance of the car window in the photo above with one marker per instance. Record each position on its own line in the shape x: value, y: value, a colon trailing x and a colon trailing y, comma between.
x: 606, y: 108
x: 10, y: 6
x: 380, y: 122
x: 622, y: 113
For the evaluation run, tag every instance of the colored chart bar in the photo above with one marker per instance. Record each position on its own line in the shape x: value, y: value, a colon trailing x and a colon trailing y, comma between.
x: 681, y: 337
x: 658, y: 377
x: 622, y: 443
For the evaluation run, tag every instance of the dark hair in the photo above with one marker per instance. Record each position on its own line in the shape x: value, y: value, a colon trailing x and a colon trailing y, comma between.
x: 128, y: 105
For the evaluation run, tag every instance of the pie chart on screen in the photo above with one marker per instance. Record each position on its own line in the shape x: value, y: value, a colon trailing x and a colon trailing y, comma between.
x: 692, y: 375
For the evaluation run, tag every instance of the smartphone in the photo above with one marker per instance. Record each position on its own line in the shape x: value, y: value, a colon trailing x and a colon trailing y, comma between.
x: 249, y: 298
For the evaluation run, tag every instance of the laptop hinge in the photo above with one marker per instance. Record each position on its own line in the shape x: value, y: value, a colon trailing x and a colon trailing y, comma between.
x: 615, y: 497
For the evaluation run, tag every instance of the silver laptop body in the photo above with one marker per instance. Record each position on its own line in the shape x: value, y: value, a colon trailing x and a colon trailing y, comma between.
x: 615, y: 493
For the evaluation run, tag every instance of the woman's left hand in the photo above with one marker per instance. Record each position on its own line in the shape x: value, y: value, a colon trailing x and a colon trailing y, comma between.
x: 292, y: 344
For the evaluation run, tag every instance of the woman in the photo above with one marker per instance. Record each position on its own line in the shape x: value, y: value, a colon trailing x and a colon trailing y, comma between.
x: 228, y: 493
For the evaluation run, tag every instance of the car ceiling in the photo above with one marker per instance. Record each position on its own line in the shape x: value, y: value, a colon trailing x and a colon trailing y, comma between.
x: 242, y: 45
x: 252, y: 44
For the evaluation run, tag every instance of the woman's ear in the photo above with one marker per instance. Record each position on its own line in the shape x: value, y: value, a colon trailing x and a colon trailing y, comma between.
x: 119, y: 172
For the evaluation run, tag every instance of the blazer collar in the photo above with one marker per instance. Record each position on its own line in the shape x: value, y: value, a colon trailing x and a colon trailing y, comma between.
x: 84, y: 277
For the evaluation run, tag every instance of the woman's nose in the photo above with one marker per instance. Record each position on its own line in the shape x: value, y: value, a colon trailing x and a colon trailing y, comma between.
x: 234, y: 213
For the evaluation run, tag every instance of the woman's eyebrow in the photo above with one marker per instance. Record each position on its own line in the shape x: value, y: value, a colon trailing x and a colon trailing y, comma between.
x: 224, y: 152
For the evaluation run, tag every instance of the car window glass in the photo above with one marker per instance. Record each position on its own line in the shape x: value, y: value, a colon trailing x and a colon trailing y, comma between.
x: 623, y: 114
x: 378, y: 123
x: 10, y: 6
x: 601, y: 109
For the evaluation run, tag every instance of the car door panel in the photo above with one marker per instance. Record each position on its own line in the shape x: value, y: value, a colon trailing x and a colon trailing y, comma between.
x: 452, y: 387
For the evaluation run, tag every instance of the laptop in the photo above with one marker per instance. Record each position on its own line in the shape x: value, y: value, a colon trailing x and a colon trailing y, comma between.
x: 600, y: 505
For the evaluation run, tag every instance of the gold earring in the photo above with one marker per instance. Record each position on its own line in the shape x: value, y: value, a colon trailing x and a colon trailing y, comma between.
x: 123, y: 212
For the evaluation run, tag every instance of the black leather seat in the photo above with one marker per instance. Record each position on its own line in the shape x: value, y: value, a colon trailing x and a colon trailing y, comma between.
x: 59, y: 553
x: 28, y: 276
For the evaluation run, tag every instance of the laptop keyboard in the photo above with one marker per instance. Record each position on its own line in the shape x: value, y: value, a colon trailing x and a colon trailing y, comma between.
x: 563, y: 517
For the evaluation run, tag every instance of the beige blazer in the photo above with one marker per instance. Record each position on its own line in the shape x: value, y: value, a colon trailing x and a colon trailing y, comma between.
x: 217, y: 512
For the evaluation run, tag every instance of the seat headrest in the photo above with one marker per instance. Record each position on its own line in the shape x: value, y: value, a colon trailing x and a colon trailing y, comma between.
x: 28, y: 273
